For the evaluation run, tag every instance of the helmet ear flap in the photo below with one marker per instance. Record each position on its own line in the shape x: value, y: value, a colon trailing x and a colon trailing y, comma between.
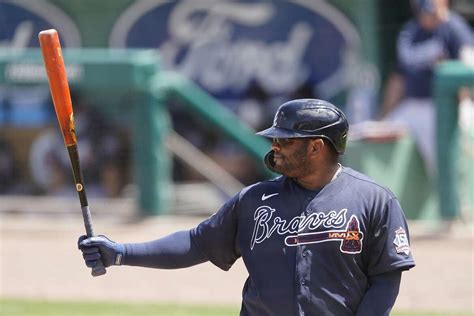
x: 269, y: 162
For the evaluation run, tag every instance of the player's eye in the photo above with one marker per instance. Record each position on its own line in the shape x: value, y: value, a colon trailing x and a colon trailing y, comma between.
x: 283, y: 141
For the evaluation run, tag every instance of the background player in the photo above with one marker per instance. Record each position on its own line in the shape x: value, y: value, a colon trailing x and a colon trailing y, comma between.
x: 435, y: 34
x: 321, y: 239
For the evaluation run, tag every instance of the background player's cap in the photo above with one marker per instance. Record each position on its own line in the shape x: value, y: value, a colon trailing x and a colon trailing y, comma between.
x: 310, y: 118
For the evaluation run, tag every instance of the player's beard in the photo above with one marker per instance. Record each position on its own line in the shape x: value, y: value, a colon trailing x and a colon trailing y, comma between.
x: 295, y: 164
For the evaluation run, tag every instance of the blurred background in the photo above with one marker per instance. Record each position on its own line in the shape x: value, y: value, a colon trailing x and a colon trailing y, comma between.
x: 167, y: 97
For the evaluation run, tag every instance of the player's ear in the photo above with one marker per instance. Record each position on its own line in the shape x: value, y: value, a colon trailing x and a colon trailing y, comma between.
x: 317, y: 145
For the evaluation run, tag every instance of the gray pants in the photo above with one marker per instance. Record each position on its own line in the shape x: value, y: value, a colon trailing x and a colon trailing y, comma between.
x: 418, y: 115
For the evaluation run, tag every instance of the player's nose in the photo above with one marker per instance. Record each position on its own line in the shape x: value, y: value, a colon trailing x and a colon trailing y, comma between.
x: 275, y: 145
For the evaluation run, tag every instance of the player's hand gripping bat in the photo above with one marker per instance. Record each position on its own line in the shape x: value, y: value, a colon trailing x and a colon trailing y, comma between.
x: 58, y: 84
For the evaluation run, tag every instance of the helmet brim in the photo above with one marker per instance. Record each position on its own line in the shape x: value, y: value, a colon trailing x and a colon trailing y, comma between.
x: 275, y: 132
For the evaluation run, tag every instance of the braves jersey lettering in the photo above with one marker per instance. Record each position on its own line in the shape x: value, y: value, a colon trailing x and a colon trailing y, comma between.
x: 264, y: 226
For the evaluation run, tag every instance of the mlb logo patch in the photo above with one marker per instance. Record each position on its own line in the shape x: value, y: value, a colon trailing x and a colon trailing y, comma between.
x: 401, y: 242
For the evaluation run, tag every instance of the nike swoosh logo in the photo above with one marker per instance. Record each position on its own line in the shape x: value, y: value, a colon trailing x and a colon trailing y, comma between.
x: 265, y: 197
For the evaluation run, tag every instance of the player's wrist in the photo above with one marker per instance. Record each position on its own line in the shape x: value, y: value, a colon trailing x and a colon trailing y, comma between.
x: 119, y: 254
x: 127, y: 253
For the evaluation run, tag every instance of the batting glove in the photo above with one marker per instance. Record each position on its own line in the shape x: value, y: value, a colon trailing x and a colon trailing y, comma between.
x: 100, y: 248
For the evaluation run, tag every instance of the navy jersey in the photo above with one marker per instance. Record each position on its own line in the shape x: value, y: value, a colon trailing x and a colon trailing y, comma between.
x: 308, y: 252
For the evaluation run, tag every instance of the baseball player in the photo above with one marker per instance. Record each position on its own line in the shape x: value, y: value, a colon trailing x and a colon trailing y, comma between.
x: 433, y: 35
x: 321, y: 239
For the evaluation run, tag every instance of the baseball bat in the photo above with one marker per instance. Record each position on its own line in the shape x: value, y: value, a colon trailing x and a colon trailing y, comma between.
x: 59, y: 87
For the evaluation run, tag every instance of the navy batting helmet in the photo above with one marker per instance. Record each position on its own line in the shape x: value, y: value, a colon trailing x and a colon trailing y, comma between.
x: 310, y: 118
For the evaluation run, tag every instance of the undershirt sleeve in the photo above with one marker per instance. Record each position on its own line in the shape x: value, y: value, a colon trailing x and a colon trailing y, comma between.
x: 171, y: 252
x: 381, y: 294
x: 212, y: 240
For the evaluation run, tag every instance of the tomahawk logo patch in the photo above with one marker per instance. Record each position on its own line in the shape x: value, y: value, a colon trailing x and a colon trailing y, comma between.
x: 401, y: 242
x: 350, y: 238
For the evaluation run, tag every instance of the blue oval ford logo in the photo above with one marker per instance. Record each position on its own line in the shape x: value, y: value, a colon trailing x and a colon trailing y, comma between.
x: 227, y: 46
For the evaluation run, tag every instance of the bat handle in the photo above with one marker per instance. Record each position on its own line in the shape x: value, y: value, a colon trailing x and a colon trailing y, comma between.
x: 99, y: 269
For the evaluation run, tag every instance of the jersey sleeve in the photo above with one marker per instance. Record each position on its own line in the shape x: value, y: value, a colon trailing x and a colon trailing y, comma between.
x: 458, y: 34
x: 389, y: 241
x: 216, y: 236
x: 412, y: 56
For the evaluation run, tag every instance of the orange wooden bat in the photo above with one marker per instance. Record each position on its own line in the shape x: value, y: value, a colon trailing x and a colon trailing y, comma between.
x: 59, y: 87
